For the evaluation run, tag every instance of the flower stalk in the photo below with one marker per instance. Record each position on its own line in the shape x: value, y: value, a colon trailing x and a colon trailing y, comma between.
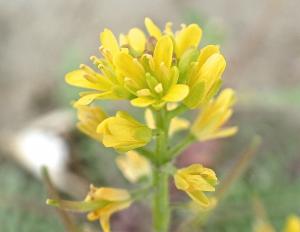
x: 161, y: 207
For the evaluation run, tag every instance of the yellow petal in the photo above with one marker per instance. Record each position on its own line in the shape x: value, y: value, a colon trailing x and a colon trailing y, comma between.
x: 199, y: 197
x: 78, y: 78
x: 188, y: 37
x: 142, y: 101
x: 227, y: 132
x: 109, y: 41
x: 212, y: 69
x: 130, y: 68
x: 90, y: 97
x: 206, y: 52
x: 137, y: 39
x: 176, y: 93
x: 180, y: 182
x: 109, y: 194
x: 152, y: 29
x: 104, y: 221
x: 163, y: 51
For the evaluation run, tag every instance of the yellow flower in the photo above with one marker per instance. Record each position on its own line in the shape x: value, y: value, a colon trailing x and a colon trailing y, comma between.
x: 188, y: 37
x: 152, y: 78
x: 105, y: 84
x: 202, y: 74
x: 213, y: 116
x: 293, y: 224
x: 113, y: 200
x: 123, y: 132
x: 89, y: 119
x: 133, y: 166
x: 101, y: 203
x: 195, y: 180
x: 162, y: 68
x: 177, y: 124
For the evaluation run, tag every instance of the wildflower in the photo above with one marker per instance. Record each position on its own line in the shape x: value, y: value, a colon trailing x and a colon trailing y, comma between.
x: 188, y: 37
x: 202, y: 75
x: 152, y: 79
x: 89, y: 119
x: 101, y: 86
x: 195, y: 180
x: 133, y: 166
x: 213, y: 116
x: 100, y: 203
x: 123, y: 132
x: 293, y: 224
x: 104, y: 83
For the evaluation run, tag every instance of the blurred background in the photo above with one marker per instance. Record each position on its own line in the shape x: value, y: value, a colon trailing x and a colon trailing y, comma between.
x: 40, y: 41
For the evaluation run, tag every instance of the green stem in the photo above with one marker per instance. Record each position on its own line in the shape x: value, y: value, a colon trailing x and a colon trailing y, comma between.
x: 161, y: 202
x: 161, y: 207
x: 180, y: 147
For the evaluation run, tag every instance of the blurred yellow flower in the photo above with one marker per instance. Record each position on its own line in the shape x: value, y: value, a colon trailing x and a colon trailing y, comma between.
x: 89, y: 119
x: 123, y: 132
x: 213, y: 116
x: 100, y: 203
x: 195, y: 180
x: 292, y: 224
x: 262, y: 226
x: 202, y: 74
x: 113, y: 200
x: 133, y: 166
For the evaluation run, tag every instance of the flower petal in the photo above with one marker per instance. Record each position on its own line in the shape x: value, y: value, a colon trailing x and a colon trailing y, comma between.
x: 176, y: 93
x: 130, y: 67
x: 137, y: 39
x: 152, y: 29
x: 188, y: 37
x: 142, y: 101
x: 109, y: 41
x: 90, y: 97
x: 163, y: 51
x: 78, y: 78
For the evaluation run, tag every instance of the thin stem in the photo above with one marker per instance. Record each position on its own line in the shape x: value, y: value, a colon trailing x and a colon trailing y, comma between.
x: 161, y: 202
x: 161, y: 208
x: 180, y: 147
x: 179, y: 110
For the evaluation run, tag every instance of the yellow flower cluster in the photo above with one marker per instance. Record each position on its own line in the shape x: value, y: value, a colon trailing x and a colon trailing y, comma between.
x: 151, y: 71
